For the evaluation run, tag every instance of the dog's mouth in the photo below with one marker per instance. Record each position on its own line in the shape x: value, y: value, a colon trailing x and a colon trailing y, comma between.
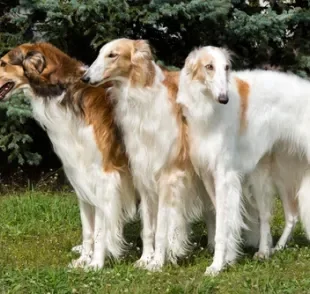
x: 5, y: 89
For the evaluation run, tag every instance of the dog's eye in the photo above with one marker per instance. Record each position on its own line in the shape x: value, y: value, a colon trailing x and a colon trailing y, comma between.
x: 209, y: 67
x: 2, y: 63
x: 112, y: 55
x: 227, y: 67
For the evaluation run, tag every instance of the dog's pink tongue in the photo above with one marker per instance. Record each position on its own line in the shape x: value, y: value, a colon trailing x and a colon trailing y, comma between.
x: 5, y: 88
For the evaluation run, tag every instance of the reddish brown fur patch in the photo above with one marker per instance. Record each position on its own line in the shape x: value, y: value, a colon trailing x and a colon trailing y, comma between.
x: 99, y: 113
x: 243, y: 90
x: 142, y: 75
x: 143, y: 70
x: 80, y: 98
x: 171, y: 81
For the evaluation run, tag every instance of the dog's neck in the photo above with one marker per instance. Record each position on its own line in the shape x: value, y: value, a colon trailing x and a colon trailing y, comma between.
x: 194, y: 101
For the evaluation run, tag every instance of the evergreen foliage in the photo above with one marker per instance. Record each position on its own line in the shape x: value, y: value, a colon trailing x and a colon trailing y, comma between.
x: 260, y: 34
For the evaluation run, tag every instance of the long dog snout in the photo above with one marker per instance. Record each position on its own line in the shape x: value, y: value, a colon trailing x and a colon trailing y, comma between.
x: 223, y: 98
x: 85, y: 79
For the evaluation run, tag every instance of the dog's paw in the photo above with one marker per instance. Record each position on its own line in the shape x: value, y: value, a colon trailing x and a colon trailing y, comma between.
x: 94, y: 265
x: 277, y: 248
x: 212, y: 271
x: 77, y: 249
x: 154, y: 266
x: 211, y: 247
x: 261, y: 255
x: 173, y: 259
x: 143, y: 261
x: 81, y: 262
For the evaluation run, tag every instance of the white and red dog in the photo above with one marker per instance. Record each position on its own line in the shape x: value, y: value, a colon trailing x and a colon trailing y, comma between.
x: 155, y: 136
x: 235, y: 119
x: 79, y: 121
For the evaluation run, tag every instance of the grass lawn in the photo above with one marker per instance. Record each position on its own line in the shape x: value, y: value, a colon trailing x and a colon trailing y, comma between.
x: 38, y: 230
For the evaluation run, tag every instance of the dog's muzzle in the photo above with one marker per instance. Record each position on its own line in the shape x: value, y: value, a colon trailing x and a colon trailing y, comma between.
x: 223, y: 99
x: 85, y: 79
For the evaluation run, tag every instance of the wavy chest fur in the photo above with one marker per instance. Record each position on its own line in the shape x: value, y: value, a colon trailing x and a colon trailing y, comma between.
x: 211, y: 127
x: 73, y: 142
x: 208, y: 132
x: 150, y: 131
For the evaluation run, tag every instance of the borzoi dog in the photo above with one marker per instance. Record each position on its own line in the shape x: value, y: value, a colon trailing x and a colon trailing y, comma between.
x: 235, y: 119
x: 155, y: 136
x: 79, y: 121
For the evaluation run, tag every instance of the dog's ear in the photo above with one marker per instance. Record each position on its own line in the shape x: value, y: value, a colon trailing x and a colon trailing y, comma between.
x: 190, y: 64
x: 34, y: 62
x: 16, y: 57
x: 141, y: 51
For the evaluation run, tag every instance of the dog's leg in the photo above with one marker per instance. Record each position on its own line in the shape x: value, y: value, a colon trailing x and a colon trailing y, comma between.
x: 289, y: 176
x: 209, y: 216
x: 263, y: 191
x: 304, y: 202
x: 109, y: 219
x: 87, y: 212
x: 186, y: 203
x: 171, y: 219
x: 87, y: 218
x: 251, y: 234
x: 161, y: 231
x: 208, y: 182
x: 112, y: 207
x: 129, y: 198
x: 178, y: 232
x: 148, y: 209
x: 98, y: 258
x: 228, y: 219
x: 290, y: 206
x: 209, y: 213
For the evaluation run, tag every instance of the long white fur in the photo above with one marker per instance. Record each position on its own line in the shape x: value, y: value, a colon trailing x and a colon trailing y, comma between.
x: 278, y: 111
x: 286, y: 173
x: 263, y: 189
x: 150, y: 133
x: 289, y: 172
x: 106, y: 200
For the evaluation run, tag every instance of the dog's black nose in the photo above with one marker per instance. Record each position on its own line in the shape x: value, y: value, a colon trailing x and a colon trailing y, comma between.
x: 223, y: 99
x: 85, y: 79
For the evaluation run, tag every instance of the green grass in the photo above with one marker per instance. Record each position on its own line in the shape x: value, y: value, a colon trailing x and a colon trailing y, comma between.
x: 38, y: 230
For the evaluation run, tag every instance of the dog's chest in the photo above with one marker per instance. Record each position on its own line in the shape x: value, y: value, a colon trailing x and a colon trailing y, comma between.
x: 72, y: 139
x: 150, y: 132
x: 205, y: 145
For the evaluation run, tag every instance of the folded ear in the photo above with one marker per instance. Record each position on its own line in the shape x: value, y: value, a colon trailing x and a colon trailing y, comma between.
x: 34, y: 62
x: 16, y: 56
x: 192, y: 65
x: 190, y: 61
x: 141, y: 51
